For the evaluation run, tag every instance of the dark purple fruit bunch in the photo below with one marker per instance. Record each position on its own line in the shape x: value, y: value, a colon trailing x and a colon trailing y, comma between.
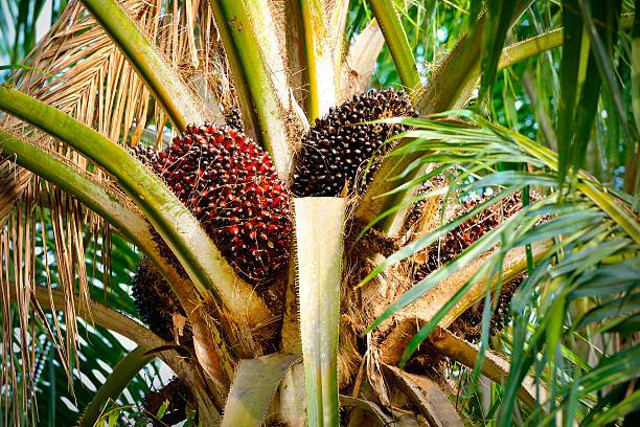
x: 147, y: 155
x: 231, y: 186
x: 155, y: 301
x: 469, y: 324
x: 337, y: 152
x: 178, y: 399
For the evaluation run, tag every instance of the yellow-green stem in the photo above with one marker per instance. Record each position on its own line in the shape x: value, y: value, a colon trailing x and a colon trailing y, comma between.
x: 319, y: 57
x: 122, y: 374
x: 251, y: 33
x: 319, y: 238
x: 397, y: 41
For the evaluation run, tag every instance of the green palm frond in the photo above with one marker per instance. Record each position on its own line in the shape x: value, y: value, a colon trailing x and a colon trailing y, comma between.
x: 594, y: 234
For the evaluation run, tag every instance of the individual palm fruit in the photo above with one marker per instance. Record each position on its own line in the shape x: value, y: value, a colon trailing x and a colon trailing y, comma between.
x: 337, y: 151
x: 231, y: 186
x: 155, y: 300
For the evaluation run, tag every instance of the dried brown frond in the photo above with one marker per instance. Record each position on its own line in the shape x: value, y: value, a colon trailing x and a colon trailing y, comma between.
x: 45, y: 228
x: 17, y: 261
x: 13, y: 180
x: 88, y: 78
x: 21, y: 251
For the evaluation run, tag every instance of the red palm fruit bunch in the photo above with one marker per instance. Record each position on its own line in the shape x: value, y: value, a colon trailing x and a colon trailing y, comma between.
x: 337, y: 150
x: 231, y: 186
x: 469, y: 324
x: 452, y: 244
x: 457, y: 240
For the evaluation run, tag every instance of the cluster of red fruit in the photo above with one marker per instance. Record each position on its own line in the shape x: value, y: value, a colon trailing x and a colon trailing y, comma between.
x: 231, y: 186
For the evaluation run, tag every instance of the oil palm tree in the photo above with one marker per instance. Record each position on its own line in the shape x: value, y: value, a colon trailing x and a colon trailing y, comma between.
x: 478, y: 264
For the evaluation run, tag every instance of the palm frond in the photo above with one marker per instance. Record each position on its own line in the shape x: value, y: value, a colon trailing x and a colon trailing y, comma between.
x: 254, y: 386
x: 498, y: 272
x: 257, y: 64
x: 397, y: 42
x: 321, y: 69
x: 178, y: 101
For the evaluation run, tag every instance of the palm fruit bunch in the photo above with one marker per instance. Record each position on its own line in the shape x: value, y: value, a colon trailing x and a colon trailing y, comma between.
x: 230, y: 185
x: 422, y: 212
x: 469, y: 324
x: 464, y: 235
x: 176, y: 395
x: 156, y: 302
x: 337, y: 151
x: 452, y: 244
x: 416, y: 211
x: 147, y: 155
